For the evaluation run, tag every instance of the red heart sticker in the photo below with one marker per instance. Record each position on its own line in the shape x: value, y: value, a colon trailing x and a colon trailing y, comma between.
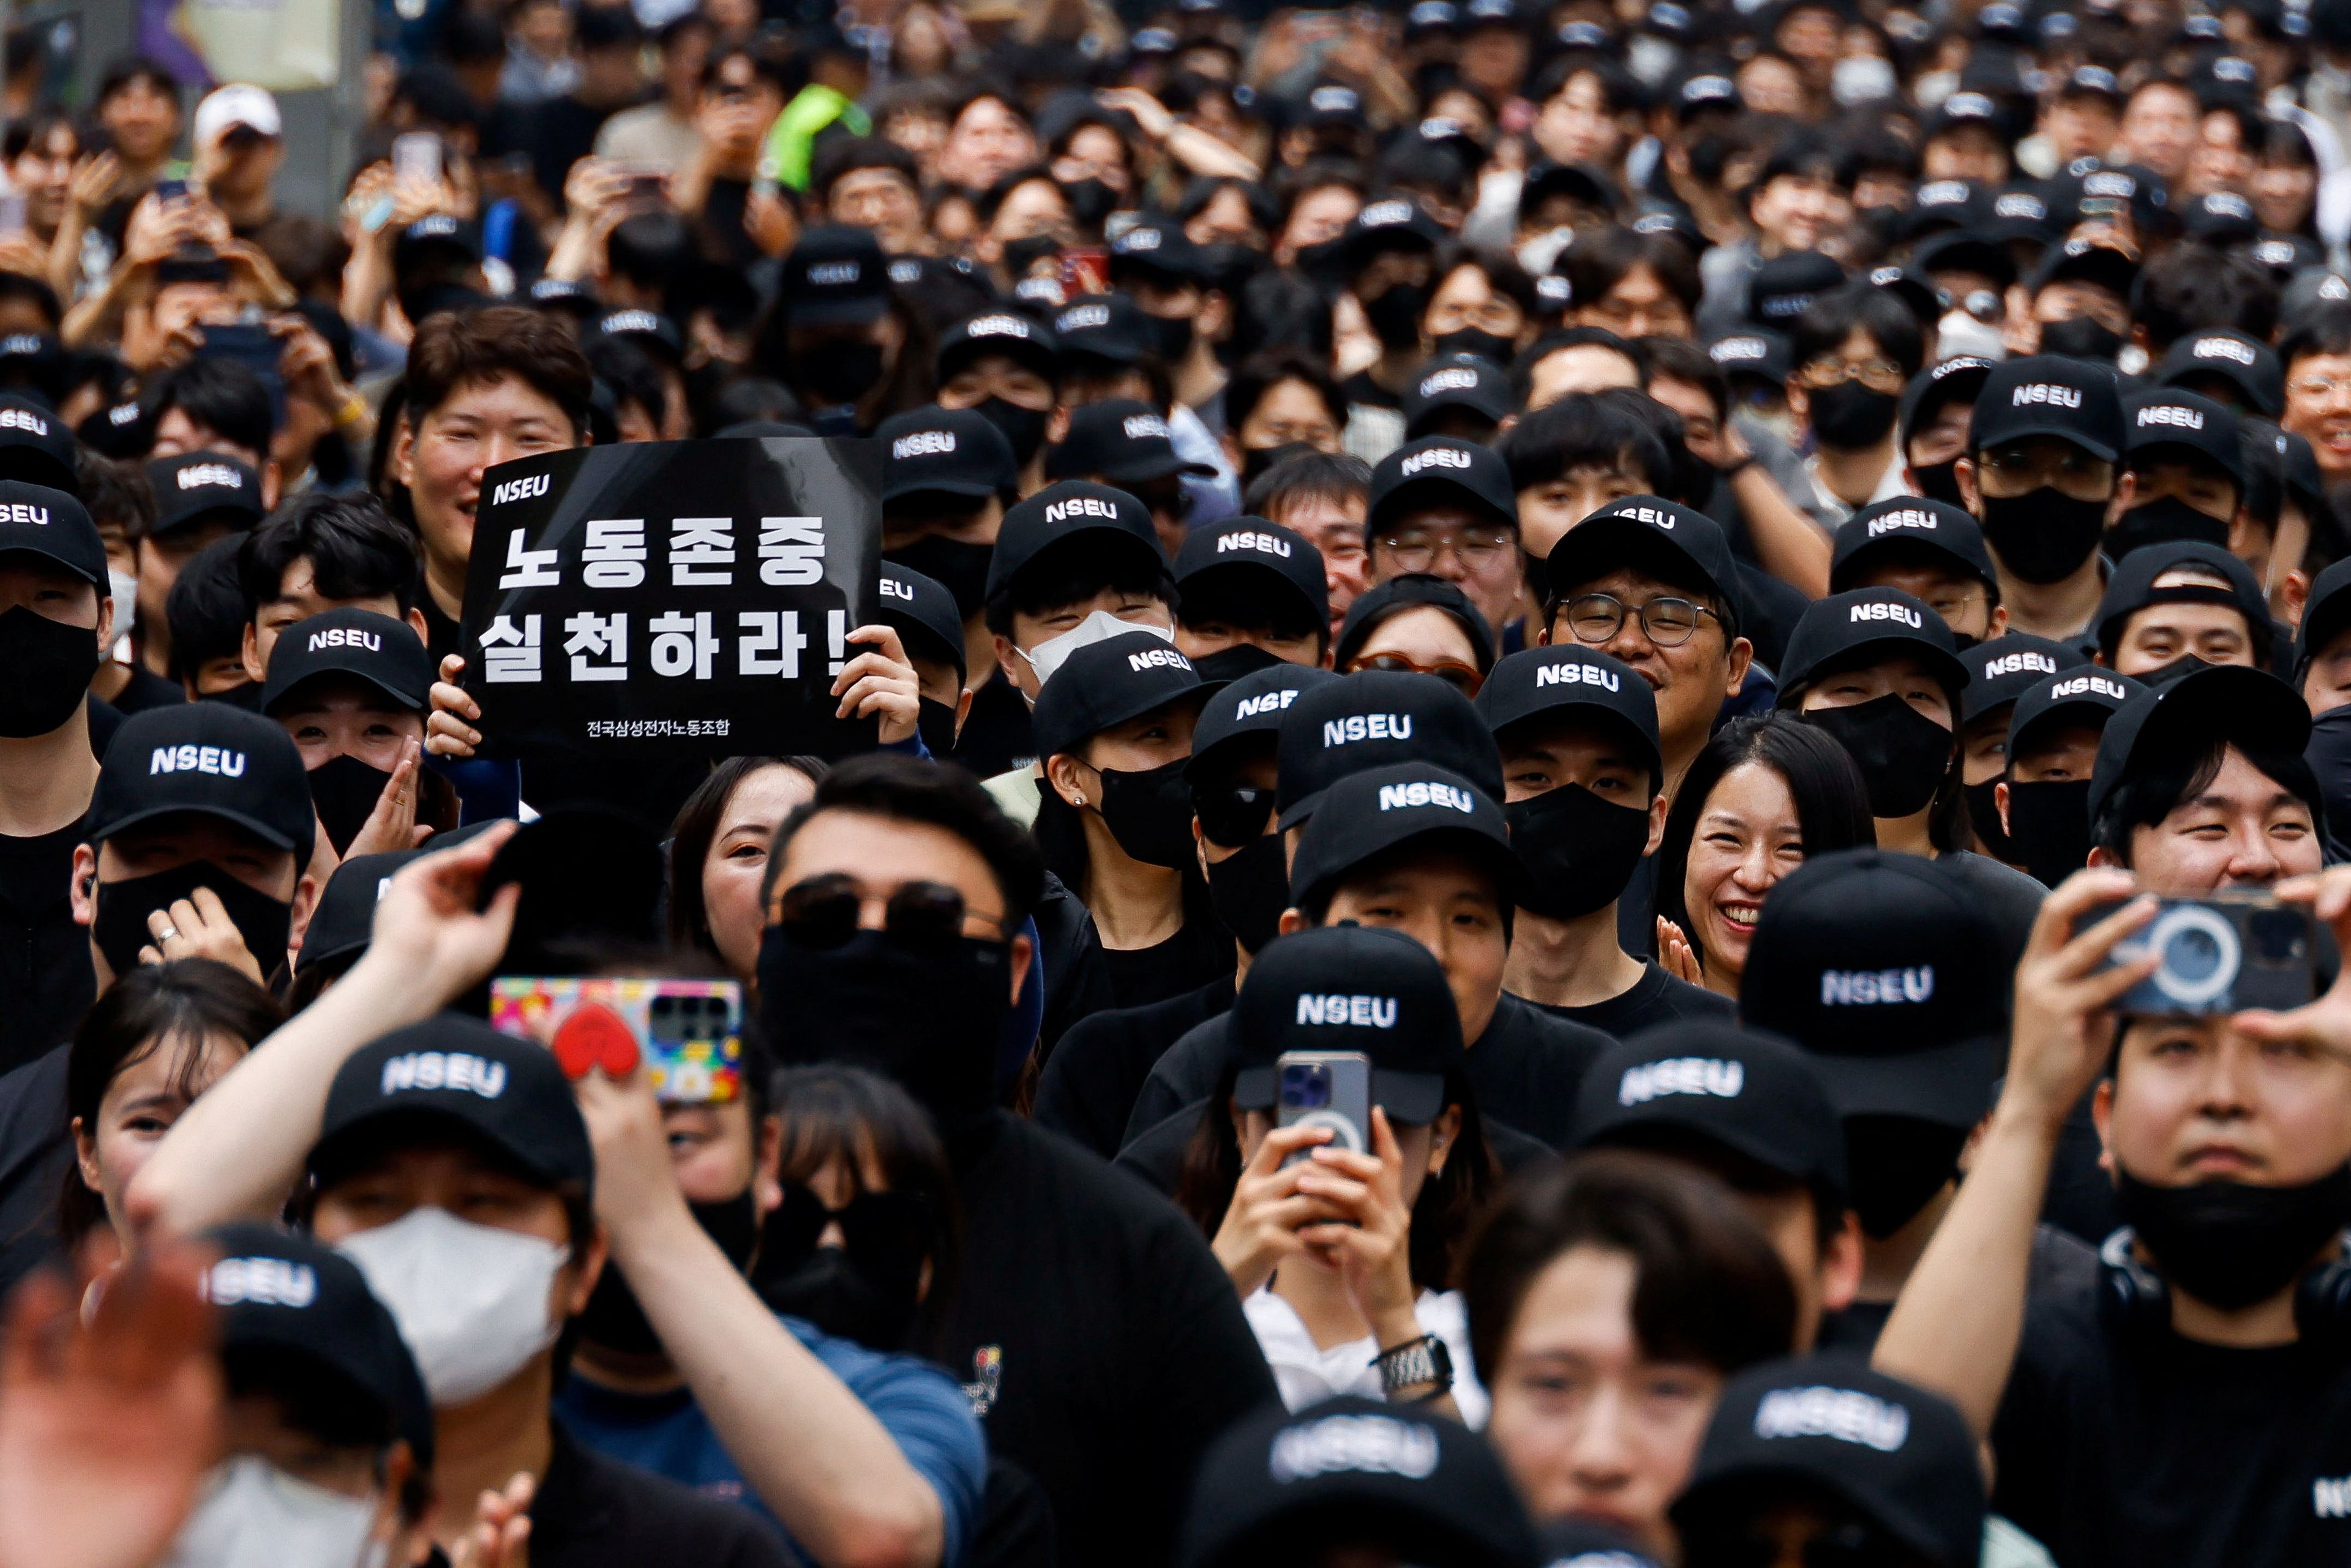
x: 593, y: 1036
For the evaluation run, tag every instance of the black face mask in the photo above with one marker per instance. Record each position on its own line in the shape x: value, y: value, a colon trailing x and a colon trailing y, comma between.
x: 1256, y: 459
x: 614, y: 1318
x: 2080, y: 339
x: 1228, y: 266
x: 2044, y: 535
x: 2050, y: 827
x: 345, y: 791
x: 120, y: 926
x: 934, y: 721
x: 2229, y: 1244
x: 1709, y: 155
x: 2163, y: 521
x: 1903, y: 755
x: 838, y: 372
x: 1394, y: 314
x: 1472, y: 340
x: 1023, y: 427
x: 927, y: 1016
x: 48, y: 664
x: 1021, y: 256
x: 1984, y: 815
x: 1249, y: 888
x: 1324, y: 262
x: 1897, y: 1163
x: 1172, y: 337
x: 1580, y: 850
x: 1850, y: 416
x: 1090, y: 202
x: 955, y: 565
x: 1940, y: 482
x: 846, y: 1300
x: 1229, y: 665
x: 1149, y: 813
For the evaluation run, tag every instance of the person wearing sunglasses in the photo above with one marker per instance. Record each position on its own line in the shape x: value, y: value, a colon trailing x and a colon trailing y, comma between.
x: 1114, y: 729
x: 1090, y: 1078
x: 1855, y: 349
x: 1445, y: 506
x: 1418, y: 623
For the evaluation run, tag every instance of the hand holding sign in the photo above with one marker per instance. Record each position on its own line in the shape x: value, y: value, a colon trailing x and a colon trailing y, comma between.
x: 879, y: 685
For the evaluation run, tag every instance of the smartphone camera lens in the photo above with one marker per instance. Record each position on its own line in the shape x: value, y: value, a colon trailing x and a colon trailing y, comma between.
x: 2278, y: 937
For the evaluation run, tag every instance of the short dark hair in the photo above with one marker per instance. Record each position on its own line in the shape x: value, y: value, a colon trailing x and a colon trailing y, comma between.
x: 226, y: 396
x: 355, y: 550
x: 1599, y: 261
x: 690, y: 837
x: 34, y: 129
x: 1680, y: 359
x: 1833, y: 317
x: 2158, y: 786
x: 905, y: 789
x: 652, y: 250
x: 990, y: 202
x: 840, y: 156
x: 206, y: 609
x: 1585, y: 429
x: 2262, y: 494
x: 2191, y: 288
x: 1309, y: 476
x: 115, y: 492
x: 1203, y: 189
x: 1253, y: 378
x: 1276, y: 310
x: 630, y: 374
x: 37, y: 292
x: 453, y: 350
x: 2325, y: 330
x: 136, y: 68
x: 1708, y: 1285
x: 1076, y: 575
x: 762, y: 67
x: 1522, y: 369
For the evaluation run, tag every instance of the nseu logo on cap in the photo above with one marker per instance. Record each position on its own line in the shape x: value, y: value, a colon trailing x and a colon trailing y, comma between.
x: 923, y: 443
x: 24, y: 420
x: 1419, y: 793
x: 1435, y: 457
x: 267, y: 1281
x: 1460, y: 378
x: 1157, y: 659
x: 1573, y: 673
x: 1846, y: 1415
x: 1366, y: 726
x: 1381, y: 1444
x: 1264, y: 544
x: 1908, y: 518
x: 1681, y: 1075
x: 1876, y: 987
x: 443, y: 1070
x: 2017, y: 664
x: 1360, y: 1012
x: 834, y: 273
x: 2048, y: 392
x: 1271, y: 702
x: 2175, y: 415
x: 1885, y: 610
x: 2223, y: 349
x: 2085, y: 685
x: 998, y: 327
x: 198, y: 474
x: 24, y: 512
x: 193, y: 759
x: 1080, y: 506
x: 346, y: 637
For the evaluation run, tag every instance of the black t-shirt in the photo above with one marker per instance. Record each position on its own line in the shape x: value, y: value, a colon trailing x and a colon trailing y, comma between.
x: 2122, y: 1444
x: 1655, y: 997
x: 35, y: 1156
x: 994, y: 737
x: 443, y: 635
x: 719, y: 231
x: 1104, y: 1345
x: 45, y: 978
x: 2061, y: 1264
x: 105, y: 718
x: 1769, y: 611
x: 556, y: 134
x: 1091, y: 1081
x: 2012, y: 898
x: 147, y: 689
x: 1360, y: 387
x: 591, y: 1511
x: 1636, y: 910
x: 1199, y: 952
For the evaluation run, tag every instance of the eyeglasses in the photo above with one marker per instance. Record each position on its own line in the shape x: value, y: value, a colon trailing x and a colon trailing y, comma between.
x: 1668, y: 622
x: 2317, y: 387
x: 1463, y: 678
x: 1232, y: 815
x: 825, y: 912
x: 1417, y: 551
x: 1828, y: 371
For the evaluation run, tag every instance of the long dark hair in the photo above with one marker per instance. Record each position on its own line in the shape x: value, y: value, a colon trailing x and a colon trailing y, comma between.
x: 1831, y: 801
x: 1441, y: 1214
x: 691, y: 833
x: 155, y: 1006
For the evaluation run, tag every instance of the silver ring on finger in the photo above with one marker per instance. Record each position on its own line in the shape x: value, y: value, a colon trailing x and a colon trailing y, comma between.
x: 169, y: 933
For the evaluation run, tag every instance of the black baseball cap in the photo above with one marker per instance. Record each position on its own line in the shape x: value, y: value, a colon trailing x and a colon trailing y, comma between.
x: 2091, y: 81
x: 1155, y: 250
x: 1980, y: 250
x: 1278, y: 1486
x: 434, y: 232
x: 2089, y: 695
x: 1863, y: 625
x: 212, y: 758
x: 570, y: 295
x: 2131, y: 588
x: 1889, y: 971
x: 1963, y: 108
x: 2169, y: 418
x: 275, y: 1294
x: 2250, y: 709
x: 1753, y: 1094
x: 2246, y: 363
x: 1534, y: 681
x: 1926, y: 298
x: 1254, y: 705
x: 587, y: 874
x: 198, y: 486
x: 384, y: 653
x: 2299, y: 460
x: 835, y: 276
x: 2085, y: 261
x: 1907, y: 526
x: 1007, y: 332
x: 1376, y: 718
x: 1761, y: 355
x: 953, y: 451
x: 503, y: 1090
x: 1110, y: 326
x: 1112, y: 680
x: 1958, y: 379
x: 2221, y: 218
x: 1071, y: 509
x: 650, y: 330
x: 2326, y: 613
x: 1393, y: 223
x: 1637, y: 530
x: 924, y: 613
x: 36, y: 447
x: 1368, y: 813
x: 1349, y: 988
x: 344, y: 920
x: 51, y: 523
x: 1456, y: 380
x: 1704, y: 91
x: 2005, y: 668
x: 1439, y: 469
x: 1784, y: 288
x: 2050, y: 394
x: 1943, y: 204
x: 1246, y: 548
x: 1121, y: 441
x: 1900, y: 1457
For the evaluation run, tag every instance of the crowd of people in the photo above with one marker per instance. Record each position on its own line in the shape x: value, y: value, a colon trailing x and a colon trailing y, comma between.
x: 1595, y: 822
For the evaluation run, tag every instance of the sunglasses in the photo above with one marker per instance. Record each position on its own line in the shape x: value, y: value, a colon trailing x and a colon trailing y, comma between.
x: 885, y: 1231
x: 1232, y: 815
x: 825, y: 912
x: 1462, y: 678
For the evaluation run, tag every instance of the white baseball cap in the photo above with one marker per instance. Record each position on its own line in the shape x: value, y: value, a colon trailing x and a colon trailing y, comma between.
x: 239, y: 103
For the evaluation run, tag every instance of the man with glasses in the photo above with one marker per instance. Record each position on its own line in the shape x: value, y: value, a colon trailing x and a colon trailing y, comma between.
x: 1445, y: 507
x: 1854, y: 349
x: 2043, y: 472
x: 2318, y: 355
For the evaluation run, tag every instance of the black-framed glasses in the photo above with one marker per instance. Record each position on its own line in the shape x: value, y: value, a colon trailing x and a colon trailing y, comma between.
x: 1232, y: 815
x: 1666, y: 620
x: 891, y: 1229
x: 824, y: 912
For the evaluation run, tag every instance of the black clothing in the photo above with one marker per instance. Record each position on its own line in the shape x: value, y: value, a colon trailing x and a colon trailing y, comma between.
x: 105, y: 718
x: 1015, y: 1522
x: 1077, y: 983
x: 1200, y: 951
x: 994, y: 737
x: 147, y: 689
x: 1104, y: 1343
x: 45, y: 970
x: 1769, y: 610
x: 443, y: 635
x: 1360, y: 389
x: 2012, y: 898
x: 1636, y: 910
x: 1655, y: 997
x: 2121, y: 1443
x: 2062, y: 1264
x: 554, y: 132
x: 35, y: 1156
x: 591, y: 1511
x: 718, y: 232
x: 1092, y: 1078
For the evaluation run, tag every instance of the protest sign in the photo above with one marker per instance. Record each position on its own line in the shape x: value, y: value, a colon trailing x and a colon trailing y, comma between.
x: 675, y: 596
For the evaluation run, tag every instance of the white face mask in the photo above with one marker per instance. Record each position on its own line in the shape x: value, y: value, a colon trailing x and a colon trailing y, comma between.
x: 470, y: 1300
x: 1861, y: 78
x: 123, y: 590
x: 1054, y: 652
x: 1539, y: 253
x: 255, y: 1515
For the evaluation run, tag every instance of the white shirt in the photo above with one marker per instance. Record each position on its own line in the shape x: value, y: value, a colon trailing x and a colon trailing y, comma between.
x: 1307, y: 1375
x: 1890, y: 485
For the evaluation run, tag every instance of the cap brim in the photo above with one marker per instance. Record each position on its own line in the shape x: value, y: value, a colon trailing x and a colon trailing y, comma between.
x: 1590, y: 541
x: 855, y: 311
x: 1508, y: 869
x: 962, y: 489
x: 231, y: 511
x: 2067, y: 432
x: 1674, y: 1112
x: 1024, y: 351
x: 35, y: 466
x: 1949, y: 1085
x: 415, y: 702
x: 442, y: 1115
x: 9, y: 546
x: 1096, y: 532
x: 1705, y: 1499
x: 244, y: 819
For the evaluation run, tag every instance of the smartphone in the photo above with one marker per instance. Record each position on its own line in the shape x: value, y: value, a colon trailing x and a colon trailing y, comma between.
x: 1085, y: 270
x: 2219, y: 954
x: 171, y: 189
x: 416, y: 155
x: 688, y: 1033
x: 645, y: 190
x: 1326, y: 1089
x: 249, y: 343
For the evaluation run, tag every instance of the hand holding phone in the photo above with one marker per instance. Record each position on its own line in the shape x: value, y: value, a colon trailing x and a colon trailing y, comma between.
x: 1327, y: 1089
x: 686, y: 1034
